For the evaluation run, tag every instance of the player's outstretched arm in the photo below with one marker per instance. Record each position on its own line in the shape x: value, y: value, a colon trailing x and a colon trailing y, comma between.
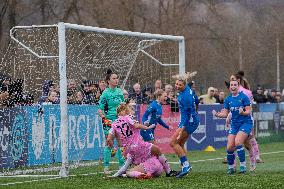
x: 139, y: 126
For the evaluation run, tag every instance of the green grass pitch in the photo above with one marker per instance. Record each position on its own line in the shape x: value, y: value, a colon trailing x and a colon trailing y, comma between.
x: 210, y: 173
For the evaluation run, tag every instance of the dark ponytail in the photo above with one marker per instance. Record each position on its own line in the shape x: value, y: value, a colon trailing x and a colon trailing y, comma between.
x: 108, y: 75
x: 243, y: 81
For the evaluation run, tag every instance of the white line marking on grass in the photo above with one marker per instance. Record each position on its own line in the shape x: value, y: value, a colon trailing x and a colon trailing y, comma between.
x: 88, y: 174
x: 203, y: 160
x: 28, y: 181
x: 24, y: 176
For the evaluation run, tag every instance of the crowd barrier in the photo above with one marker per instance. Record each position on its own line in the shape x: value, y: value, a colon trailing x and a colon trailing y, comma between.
x: 28, y: 137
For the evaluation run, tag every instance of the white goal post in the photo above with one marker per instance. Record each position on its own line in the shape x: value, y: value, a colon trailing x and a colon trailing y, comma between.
x: 146, y: 41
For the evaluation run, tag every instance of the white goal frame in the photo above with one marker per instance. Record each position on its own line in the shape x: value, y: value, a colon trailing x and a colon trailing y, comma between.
x: 62, y: 67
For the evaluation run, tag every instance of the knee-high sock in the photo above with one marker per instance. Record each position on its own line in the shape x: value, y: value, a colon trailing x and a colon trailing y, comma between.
x: 163, y: 160
x: 107, y: 155
x: 120, y: 157
x: 241, y: 155
x: 230, y: 158
x: 134, y: 174
x: 255, y: 147
x: 123, y: 169
x: 252, y: 156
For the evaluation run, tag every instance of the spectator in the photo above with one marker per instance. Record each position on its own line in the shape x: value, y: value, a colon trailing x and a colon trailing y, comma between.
x: 216, y: 94
x: 148, y: 95
x: 79, y: 97
x: 158, y: 84
x: 47, y: 86
x: 209, y: 97
x: 278, y: 97
x: 221, y: 97
x: 170, y: 93
x: 52, y: 98
x: 137, y: 95
x: 71, y: 92
x: 102, y: 86
x: 4, y: 93
x: 89, y: 96
x: 272, y: 96
x: 259, y: 97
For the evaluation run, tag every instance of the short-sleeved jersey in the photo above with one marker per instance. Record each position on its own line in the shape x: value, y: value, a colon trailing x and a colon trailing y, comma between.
x: 234, y: 103
x: 186, y: 102
x: 109, y: 101
x: 124, y: 127
x: 153, y: 114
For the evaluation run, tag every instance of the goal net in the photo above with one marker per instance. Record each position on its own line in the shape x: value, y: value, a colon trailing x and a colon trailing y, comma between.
x: 44, y: 131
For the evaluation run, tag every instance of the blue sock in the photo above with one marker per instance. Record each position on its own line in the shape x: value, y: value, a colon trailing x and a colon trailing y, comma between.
x: 241, y: 153
x: 183, y: 159
x: 230, y: 158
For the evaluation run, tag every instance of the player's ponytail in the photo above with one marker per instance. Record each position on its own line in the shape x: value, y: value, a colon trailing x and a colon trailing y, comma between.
x: 108, y: 75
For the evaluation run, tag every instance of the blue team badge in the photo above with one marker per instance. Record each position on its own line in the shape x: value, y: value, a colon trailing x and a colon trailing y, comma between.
x: 199, y: 134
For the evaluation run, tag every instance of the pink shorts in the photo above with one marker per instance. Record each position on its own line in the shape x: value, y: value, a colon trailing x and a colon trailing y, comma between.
x: 153, y: 166
x: 139, y: 152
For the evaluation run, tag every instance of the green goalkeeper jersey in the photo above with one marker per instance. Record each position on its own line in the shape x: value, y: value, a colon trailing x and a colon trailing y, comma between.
x: 109, y: 101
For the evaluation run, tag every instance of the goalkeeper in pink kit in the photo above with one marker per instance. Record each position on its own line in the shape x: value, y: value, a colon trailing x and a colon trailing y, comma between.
x: 148, y: 157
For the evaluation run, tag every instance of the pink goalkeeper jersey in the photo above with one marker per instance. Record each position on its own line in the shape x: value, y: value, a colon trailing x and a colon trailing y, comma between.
x: 247, y: 92
x: 124, y: 126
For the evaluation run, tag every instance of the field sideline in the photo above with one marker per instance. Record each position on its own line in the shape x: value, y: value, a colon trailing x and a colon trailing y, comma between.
x: 208, y: 172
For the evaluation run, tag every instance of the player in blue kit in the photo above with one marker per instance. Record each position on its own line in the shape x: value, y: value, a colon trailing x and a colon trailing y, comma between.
x: 153, y: 115
x: 189, y: 121
x: 241, y: 124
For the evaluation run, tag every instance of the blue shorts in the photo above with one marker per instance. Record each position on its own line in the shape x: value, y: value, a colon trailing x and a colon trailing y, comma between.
x: 191, y: 123
x: 244, y: 127
x: 147, y: 135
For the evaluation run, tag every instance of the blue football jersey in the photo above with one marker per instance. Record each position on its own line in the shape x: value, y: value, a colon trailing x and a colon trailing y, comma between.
x: 234, y: 103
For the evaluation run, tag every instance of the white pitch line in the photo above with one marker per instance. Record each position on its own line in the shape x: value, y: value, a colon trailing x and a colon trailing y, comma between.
x: 203, y: 160
x: 214, y: 159
x: 87, y: 174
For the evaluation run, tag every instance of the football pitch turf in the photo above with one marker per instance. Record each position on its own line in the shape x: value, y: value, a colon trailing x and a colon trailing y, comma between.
x: 208, y: 172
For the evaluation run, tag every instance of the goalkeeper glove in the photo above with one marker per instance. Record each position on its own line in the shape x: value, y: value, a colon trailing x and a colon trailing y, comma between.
x: 106, y: 122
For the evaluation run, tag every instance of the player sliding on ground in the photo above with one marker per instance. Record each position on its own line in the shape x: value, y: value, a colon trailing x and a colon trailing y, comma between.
x: 127, y: 131
x: 241, y: 124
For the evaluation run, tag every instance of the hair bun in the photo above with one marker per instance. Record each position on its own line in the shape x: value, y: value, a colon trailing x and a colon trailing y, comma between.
x: 109, y: 71
x: 241, y: 73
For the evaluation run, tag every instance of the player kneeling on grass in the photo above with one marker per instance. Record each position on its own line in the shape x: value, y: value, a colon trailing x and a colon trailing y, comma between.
x: 127, y: 132
x: 241, y: 124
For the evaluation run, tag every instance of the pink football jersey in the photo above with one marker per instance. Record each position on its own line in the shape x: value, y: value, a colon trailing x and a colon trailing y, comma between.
x: 124, y: 126
x: 247, y: 92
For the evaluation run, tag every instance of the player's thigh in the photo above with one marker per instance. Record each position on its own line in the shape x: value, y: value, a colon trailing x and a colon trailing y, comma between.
x: 139, y: 168
x: 183, y: 138
x: 176, y: 136
x: 240, y: 138
x: 231, y: 142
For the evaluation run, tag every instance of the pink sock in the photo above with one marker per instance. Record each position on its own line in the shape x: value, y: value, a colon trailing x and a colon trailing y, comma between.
x: 251, y: 156
x: 163, y: 160
x: 255, y: 147
x: 133, y: 174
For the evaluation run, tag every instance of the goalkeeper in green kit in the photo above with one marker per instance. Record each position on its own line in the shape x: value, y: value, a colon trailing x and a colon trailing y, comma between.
x: 109, y: 101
